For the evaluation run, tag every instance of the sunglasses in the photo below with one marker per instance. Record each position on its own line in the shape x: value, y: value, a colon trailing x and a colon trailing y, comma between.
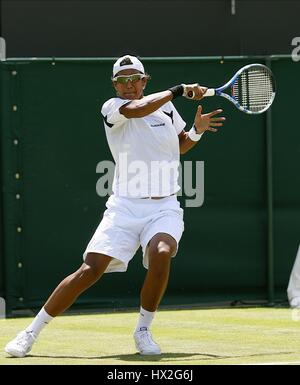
x: 123, y: 79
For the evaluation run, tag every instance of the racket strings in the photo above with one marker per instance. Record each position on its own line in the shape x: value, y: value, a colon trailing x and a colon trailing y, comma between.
x: 254, y: 89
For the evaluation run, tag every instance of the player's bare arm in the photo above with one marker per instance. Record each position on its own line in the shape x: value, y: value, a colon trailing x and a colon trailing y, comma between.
x: 150, y: 103
x: 146, y: 105
x: 140, y: 105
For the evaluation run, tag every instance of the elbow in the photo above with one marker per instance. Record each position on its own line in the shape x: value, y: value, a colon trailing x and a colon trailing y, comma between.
x: 135, y: 111
x: 140, y: 112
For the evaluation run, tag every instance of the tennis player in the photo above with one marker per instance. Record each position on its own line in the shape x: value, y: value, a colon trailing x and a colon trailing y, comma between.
x: 146, y: 135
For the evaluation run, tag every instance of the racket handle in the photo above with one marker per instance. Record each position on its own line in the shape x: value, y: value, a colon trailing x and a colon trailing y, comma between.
x: 209, y: 92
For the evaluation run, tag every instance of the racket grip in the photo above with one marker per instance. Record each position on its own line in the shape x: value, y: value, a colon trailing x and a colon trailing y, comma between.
x: 209, y: 92
x: 189, y: 94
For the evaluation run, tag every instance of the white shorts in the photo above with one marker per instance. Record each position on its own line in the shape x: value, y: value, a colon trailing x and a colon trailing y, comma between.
x: 130, y: 222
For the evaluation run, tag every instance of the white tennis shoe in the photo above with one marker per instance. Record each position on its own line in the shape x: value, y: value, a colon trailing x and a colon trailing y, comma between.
x: 21, y: 345
x: 144, y: 342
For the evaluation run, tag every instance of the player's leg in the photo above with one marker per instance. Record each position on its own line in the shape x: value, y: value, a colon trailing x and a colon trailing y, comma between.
x: 62, y: 298
x: 110, y: 238
x: 72, y: 286
x: 159, y: 239
x: 159, y: 251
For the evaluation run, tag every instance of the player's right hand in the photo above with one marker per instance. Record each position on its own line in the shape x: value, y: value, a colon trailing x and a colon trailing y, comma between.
x: 193, y: 91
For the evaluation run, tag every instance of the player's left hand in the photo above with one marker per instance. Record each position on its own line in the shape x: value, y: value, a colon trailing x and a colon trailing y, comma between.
x: 208, y: 122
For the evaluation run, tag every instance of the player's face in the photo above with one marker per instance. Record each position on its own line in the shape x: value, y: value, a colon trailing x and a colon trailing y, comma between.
x: 132, y: 87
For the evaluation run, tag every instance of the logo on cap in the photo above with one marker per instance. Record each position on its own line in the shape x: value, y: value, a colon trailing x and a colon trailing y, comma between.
x: 126, y: 62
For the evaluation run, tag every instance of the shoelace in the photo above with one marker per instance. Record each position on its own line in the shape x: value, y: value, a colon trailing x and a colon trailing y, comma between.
x: 146, y: 338
x: 24, y: 339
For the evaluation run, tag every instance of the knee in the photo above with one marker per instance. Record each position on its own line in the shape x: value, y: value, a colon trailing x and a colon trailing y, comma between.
x: 164, y: 248
x: 93, y: 267
x: 160, y: 252
x: 89, y: 273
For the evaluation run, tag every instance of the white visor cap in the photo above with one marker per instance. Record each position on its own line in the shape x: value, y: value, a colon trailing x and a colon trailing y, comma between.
x: 127, y: 62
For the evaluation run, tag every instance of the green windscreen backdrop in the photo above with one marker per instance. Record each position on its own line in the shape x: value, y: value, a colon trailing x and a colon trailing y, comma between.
x: 52, y: 139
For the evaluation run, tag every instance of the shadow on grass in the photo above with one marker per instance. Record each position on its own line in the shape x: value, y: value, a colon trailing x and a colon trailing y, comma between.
x: 136, y: 357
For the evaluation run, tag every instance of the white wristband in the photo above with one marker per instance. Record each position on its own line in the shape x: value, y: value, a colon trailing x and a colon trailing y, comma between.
x: 193, y: 134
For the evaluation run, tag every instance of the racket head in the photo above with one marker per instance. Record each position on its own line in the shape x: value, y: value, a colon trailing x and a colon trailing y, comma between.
x: 252, y: 89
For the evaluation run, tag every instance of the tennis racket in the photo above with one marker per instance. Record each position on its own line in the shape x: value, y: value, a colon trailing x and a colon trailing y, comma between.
x: 252, y: 89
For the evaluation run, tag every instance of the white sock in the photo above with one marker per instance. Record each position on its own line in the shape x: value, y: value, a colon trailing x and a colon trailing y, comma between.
x: 145, y: 319
x: 41, y: 320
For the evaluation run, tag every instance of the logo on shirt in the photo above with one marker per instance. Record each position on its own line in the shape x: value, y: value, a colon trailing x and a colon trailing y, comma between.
x: 158, y: 125
x: 155, y: 120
